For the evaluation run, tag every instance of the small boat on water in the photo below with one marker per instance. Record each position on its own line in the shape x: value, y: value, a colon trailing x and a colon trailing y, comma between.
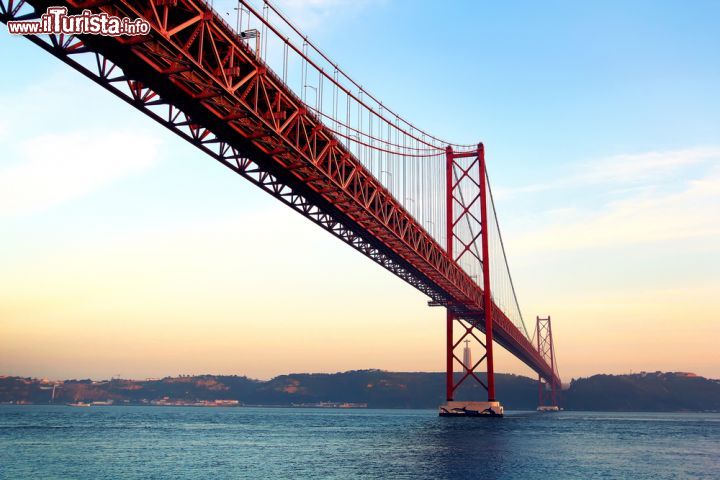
x: 78, y: 404
x: 548, y: 408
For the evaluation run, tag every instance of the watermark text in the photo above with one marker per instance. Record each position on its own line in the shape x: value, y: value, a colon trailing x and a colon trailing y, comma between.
x: 57, y: 21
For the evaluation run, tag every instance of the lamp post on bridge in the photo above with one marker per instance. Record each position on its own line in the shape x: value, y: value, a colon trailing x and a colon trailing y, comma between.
x: 314, y: 89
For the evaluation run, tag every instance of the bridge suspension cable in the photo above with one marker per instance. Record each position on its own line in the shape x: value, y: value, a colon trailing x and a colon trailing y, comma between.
x: 504, y: 293
x: 407, y: 160
x: 325, y: 57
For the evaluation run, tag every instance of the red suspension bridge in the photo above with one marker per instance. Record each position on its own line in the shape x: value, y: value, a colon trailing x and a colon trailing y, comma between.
x: 267, y: 103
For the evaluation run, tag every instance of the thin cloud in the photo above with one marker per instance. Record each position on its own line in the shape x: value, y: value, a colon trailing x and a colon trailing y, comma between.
x: 310, y: 14
x: 53, y: 169
x: 644, y: 167
x: 4, y: 125
x: 624, y: 170
x: 650, y: 216
x: 79, y: 157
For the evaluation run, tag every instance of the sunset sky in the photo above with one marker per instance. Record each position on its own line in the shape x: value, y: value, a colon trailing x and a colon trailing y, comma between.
x: 127, y: 252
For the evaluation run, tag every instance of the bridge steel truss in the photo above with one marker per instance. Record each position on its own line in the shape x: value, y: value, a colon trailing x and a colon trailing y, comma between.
x: 194, y: 75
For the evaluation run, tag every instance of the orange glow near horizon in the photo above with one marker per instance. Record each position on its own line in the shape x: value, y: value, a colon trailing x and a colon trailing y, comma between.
x: 189, y: 300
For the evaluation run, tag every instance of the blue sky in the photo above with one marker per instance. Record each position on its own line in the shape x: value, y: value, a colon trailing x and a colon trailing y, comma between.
x: 602, y: 126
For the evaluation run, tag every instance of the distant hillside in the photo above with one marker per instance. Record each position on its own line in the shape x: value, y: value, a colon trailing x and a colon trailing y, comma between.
x: 380, y: 389
x: 652, y: 392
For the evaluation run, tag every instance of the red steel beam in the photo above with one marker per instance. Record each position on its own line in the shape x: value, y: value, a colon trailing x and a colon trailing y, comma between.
x: 488, y: 313
x: 198, y: 61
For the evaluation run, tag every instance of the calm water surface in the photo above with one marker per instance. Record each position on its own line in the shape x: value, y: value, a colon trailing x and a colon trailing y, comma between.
x: 54, y: 442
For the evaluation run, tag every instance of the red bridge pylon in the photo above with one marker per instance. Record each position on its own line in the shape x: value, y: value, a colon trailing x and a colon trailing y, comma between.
x: 467, y: 220
x: 547, y: 391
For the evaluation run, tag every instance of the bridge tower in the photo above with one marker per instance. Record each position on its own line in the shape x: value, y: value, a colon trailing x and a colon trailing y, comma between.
x: 467, y: 221
x: 547, y: 392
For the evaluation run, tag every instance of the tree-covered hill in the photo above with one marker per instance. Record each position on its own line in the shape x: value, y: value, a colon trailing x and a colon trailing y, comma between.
x: 379, y: 389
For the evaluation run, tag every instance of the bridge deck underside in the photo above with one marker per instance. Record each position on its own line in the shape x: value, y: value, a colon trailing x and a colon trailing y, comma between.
x: 196, y: 77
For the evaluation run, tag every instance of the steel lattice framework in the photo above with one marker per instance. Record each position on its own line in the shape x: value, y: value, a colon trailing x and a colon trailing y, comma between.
x: 194, y: 75
x: 547, y: 391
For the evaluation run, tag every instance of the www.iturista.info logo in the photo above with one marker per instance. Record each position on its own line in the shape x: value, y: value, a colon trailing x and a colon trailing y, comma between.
x: 56, y: 21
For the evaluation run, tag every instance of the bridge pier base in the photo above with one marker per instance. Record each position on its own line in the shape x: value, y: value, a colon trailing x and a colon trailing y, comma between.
x: 459, y: 408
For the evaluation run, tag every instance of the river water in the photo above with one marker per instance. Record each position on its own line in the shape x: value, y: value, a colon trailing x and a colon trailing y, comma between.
x: 60, y: 442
